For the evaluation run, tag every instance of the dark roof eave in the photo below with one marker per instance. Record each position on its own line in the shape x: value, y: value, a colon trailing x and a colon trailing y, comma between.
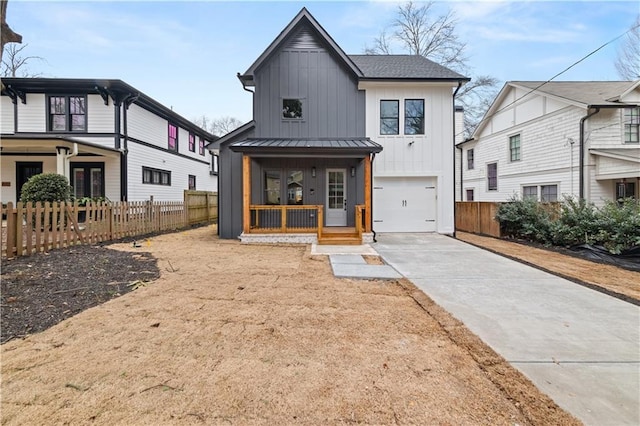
x: 414, y: 80
x: 306, y: 151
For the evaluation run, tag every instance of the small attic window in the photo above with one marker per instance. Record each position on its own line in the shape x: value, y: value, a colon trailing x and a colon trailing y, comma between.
x: 292, y: 108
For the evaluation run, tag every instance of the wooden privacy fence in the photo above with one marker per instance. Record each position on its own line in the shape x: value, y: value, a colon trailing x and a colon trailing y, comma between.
x: 30, y: 228
x: 477, y: 217
x: 202, y: 206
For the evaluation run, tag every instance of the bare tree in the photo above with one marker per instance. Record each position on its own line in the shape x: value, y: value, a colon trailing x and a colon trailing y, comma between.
x: 422, y: 32
x: 14, y: 64
x: 7, y: 35
x: 218, y: 126
x: 628, y: 60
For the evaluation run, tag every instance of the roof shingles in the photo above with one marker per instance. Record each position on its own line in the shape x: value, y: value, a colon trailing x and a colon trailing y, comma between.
x: 403, y: 67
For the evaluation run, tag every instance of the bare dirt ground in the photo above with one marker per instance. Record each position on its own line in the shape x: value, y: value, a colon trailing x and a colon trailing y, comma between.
x: 239, y: 334
x: 601, y: 276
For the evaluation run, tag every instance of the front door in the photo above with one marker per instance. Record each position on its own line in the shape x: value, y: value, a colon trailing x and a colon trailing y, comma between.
x: 336, y: 203
x: 23, y: 172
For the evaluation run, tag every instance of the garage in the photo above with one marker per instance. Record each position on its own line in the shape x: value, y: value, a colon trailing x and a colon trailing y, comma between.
x: 404, y: 204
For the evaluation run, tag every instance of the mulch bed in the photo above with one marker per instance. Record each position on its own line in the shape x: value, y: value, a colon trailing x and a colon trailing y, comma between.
x: 42, y: 290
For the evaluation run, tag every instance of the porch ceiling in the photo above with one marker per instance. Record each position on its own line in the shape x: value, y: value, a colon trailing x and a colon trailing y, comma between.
x: 347, y: 147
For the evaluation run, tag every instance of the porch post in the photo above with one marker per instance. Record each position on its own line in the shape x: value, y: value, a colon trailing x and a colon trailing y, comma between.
x: 61, y: 160
x: 367, y: 193
x: 246, y: 193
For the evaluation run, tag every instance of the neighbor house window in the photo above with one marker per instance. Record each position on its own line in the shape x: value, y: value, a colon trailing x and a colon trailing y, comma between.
x: 201, y: 146
x: 631, y: 125
x: 548, y: 193
x: 215, y: 158
x: 470, y: 164
x: 414, y: 117
x: 469, y: 194
x: 192, y: 183
x: 156, y: 176
x: 530, y: 192
x: 272, y: 187
x: 389, y: 117
x: 514, y: 148
x: 173, y: 137
x: 625, y: 190
x: 192, y: 142
x: 492, y: 176
x: 292, y: 108
x: 67, y: 113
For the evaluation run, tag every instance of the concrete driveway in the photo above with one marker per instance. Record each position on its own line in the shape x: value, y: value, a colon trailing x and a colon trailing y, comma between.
x: 580, y: 347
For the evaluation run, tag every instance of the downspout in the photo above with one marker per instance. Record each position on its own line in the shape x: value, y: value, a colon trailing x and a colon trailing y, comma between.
x: 461, y: 171
x: 453, y: 111
x: 373, y: 157
x: 581, y: 163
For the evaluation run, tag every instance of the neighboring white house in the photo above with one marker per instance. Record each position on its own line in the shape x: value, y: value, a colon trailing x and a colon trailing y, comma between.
x: 547, y: 140
x: 107, y: 137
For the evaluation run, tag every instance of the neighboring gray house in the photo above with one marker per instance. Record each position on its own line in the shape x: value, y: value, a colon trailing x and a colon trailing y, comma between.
x: 546, y: 140
x: 303, y: 170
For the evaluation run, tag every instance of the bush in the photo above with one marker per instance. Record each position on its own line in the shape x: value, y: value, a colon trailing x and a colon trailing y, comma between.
x: 615, y: 226
x: 46, y: 187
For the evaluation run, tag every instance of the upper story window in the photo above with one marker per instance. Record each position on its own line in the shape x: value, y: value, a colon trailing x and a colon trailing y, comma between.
x: 414, y: 117
x: 192, y: 142
x: 292, y: 108
x: 67, y: 113
x: 201, y: 146
x: 389, y: 117
x: 631, y: 125
x: 173, y: 137
x: 492, y: 176
x: 514, y: 148
x: 214, y: 164
x: 470, y: 164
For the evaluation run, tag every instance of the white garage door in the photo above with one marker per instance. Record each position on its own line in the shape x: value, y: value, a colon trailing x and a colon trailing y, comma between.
x: 404, y: 204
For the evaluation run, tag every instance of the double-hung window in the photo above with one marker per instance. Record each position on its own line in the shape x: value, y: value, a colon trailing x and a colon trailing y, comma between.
x: 67, y: 113
x: 632, y: 125
x: 414, y: 117
x: 173, y: 137
x: 201, y: 146
x: 192, y: 182
x: 470, y: 164
x: 192, y: 142
x: 514, y: 148
x: 389, y: 117
x: 492, y: 176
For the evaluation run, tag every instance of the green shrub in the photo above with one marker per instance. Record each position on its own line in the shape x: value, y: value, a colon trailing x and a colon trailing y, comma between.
x: 619, y: 225
x: 576, y: 224
x: 46, y: 187
x: 525, y: 218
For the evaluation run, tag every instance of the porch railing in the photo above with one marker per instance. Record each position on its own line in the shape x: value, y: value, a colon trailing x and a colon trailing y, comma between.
x: 283, y: 219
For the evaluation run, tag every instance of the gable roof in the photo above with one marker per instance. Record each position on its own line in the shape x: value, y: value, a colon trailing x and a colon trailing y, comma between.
x: 584, y: 94
x: 303, y: 17
x: 405, y: 67
x: 232, y: 135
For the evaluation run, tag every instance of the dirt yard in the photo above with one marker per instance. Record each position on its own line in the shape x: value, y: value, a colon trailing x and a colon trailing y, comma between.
x: 238, y: 334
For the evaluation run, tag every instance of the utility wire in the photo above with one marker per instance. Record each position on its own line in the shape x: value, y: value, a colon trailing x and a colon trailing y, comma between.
x: 555, y: 76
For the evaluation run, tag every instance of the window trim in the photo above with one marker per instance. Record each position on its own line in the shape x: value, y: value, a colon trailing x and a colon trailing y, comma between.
x: 282, y: 108
x: 542, y: 192
x: 489, y: 186
x: 406, y: 116
x: 67, y: 113
x: 192, y: 142
x: 471, y: 163
x: 519, y: 148
x: 201, y: 145
x: 189, y: 182
x: 215, y: 164
x: 631, y: 121
x: 466, y: 194
x: 152, y: 170
x: 397, y: 118
x: 169, y: 126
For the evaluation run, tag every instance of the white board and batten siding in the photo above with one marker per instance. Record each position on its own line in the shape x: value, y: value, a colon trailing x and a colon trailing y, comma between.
x: 413, y: 175
x: 7, y: 115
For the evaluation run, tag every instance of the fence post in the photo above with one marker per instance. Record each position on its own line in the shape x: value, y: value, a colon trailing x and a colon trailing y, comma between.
x: 12, y: 216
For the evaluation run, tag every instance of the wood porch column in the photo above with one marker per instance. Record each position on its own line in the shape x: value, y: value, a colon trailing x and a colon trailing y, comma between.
x: 246, y: 193
x: 367, y: 193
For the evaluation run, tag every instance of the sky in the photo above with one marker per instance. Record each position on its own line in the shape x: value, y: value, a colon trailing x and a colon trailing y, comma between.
x: 186, y: 54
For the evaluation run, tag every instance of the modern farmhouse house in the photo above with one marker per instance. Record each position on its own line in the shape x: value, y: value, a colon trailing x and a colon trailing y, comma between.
x: 547, y: 140
x: 340, y: 146
x: 107, y: 137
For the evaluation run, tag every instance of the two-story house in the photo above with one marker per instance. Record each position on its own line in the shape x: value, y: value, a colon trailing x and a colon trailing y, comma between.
x: 547, y: 140
x: 338, y: 142
x: 108, y: 138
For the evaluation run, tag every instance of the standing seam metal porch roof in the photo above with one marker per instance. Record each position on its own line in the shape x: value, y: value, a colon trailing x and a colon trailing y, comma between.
x: 303, y: 146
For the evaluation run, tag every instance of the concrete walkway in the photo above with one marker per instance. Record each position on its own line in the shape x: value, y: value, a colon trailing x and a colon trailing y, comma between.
x: 580, y: 347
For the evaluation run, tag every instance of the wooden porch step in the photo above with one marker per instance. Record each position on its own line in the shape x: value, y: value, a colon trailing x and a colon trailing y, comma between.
x: 339, y: 236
